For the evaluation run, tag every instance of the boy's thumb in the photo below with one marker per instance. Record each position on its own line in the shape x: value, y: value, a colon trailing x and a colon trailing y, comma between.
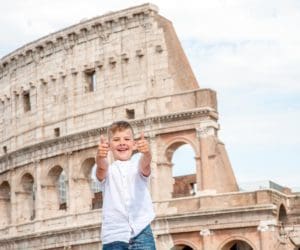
x: 102, y: 139
x: 142, y: 135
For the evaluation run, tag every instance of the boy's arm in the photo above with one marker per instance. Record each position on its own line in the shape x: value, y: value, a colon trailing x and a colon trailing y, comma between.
x: 101, y: 159
x: 145, y: 161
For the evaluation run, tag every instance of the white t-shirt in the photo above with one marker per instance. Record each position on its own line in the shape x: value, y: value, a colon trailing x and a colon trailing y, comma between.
x: 127, y: 205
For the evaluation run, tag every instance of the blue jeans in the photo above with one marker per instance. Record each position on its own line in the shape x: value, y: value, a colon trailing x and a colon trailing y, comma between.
x: 143, y: 241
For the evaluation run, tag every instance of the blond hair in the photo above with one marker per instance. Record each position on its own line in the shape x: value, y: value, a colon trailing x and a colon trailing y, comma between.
x: 118, y: 126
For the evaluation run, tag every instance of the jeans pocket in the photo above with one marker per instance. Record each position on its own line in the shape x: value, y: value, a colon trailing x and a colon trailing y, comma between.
x: 143, y: 241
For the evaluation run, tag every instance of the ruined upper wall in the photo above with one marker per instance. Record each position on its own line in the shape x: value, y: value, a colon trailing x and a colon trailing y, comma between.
x: 112, y: 38
x: 123, y: 65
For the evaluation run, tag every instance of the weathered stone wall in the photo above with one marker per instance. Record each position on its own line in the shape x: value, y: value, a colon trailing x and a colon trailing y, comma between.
x: 59, y: 93
x: 132, y: 59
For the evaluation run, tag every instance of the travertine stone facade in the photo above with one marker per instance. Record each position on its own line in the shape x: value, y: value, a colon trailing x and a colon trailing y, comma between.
x: 59, y: 93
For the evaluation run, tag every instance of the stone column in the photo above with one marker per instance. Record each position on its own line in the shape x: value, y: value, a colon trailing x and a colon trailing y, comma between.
x: 15, y: 100
x: 207, y: 239
x: 162, y: 179
x: 154, y: 190
x: 71, y: 90
x: 70, y: 187
x: 205, y: 131
x: 49, y: 200
x: 41, y: 103
x: 266, y: 231
x: 13, y: 197
x: 198, y: 174
x: 164, y: 241
x: 37, y: 189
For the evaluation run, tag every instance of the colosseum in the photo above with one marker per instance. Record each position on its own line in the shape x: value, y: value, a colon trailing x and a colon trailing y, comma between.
x: 60, y: 93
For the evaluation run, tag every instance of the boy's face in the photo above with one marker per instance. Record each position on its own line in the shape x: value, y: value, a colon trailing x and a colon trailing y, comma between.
x: 122, y: 144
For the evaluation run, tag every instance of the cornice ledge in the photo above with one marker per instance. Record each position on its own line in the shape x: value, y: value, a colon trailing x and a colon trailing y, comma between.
x: 73, y: 142
x: 68, y: 34
x: 188, y: 114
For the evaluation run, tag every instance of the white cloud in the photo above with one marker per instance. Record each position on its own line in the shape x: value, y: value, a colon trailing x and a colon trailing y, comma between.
x: 253, y: 63
x: 262, y: 129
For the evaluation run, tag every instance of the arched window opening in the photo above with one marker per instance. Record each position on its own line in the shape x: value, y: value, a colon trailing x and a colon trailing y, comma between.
x: 97, y: 200
x: 237, y: 245
x: 282, y: 217
x: 5, y: 204
x: 62, y: 184
x: 90, y: 78
x: 57, y: 190
x: 184, y: 171
x: 27, y: 197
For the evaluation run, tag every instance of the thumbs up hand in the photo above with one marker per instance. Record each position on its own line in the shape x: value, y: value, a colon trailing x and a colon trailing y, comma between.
x: 103, y: 148
x: 145, y: 160
x: 101, y: 158
x: 142, y: 144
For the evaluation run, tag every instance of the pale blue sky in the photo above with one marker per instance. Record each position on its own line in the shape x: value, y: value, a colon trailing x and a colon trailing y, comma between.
x: 246, y: 50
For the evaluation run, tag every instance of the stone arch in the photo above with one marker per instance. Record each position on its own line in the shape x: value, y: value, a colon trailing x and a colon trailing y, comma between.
x: 5, y: 203
x: 26, y: 198
x: 183, y: 245
x: 180, y: 186
x: 237, y: 243
x: 86, y: 167
x: 282, y: 214
x: 53, y: 203
x: 54, y: 173
x: 175, y: 143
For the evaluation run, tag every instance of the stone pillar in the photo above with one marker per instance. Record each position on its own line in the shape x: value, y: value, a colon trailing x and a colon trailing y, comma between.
x: 49, y: 198
x: 13, y: 197
x: 79, y: 183
x: 71, y: 92
x: 24, y: 206
x: 198, y: 174
x: 37, y: 189
x: 164, y: 241
x: 164, y: 181
x: 266, y: 231
x: 216, y: 172
x: 70, y: 185
x: 206, y: 130
x: 207, y: 239
x: 15, y: 100
x: 154, y: 190
x: 161, y: 177
x: 41, y: 100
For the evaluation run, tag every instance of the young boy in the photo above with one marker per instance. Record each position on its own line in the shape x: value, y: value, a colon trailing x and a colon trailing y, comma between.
x: 127, y: 206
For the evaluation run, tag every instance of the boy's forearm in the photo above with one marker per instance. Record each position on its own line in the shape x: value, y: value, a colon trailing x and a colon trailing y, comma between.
x: 102, y: 167
x: 145, y: 164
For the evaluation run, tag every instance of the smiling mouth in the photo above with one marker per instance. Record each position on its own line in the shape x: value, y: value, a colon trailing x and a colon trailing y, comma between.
x: 122, y: 149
